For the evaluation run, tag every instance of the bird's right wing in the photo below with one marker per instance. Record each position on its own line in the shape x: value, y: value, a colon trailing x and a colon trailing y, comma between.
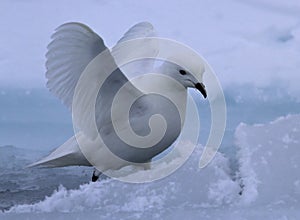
x: 77, y: 63
x: 73, y: 47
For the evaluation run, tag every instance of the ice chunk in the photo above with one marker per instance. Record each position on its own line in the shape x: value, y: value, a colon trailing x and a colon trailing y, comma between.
x: 269, y: 158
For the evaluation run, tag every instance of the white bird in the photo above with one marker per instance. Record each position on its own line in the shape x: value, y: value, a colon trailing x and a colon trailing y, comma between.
x: 73, y: 47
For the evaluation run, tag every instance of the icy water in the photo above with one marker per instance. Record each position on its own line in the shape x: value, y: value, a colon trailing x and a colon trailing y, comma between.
x: 32, y: 123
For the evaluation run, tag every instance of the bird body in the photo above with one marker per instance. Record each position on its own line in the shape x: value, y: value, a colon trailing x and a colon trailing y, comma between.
x: 73, y: 48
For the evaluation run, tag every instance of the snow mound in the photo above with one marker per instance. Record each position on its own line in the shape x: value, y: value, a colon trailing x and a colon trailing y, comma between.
x: 268, y: 184
x: 189, y: 185
x: 269, y: 159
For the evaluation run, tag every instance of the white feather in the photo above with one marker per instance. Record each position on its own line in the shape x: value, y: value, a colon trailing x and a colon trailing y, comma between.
x: 73, y: 46
x: 142, y: 30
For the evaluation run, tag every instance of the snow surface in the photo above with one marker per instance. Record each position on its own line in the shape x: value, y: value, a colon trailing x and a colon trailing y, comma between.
x: 212, y: 185
x: 269, y: 158
x: 267, y: 185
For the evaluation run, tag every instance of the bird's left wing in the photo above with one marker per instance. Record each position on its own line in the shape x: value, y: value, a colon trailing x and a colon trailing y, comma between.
x: 144, y: 47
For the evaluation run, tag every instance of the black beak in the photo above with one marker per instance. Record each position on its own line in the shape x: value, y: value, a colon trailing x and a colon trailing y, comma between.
x: 201, y: 88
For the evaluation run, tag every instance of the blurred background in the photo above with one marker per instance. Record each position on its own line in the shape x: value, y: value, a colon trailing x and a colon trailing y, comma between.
x: 254, y: 48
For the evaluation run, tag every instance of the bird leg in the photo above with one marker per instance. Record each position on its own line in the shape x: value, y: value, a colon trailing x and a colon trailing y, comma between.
x: 96, y: 175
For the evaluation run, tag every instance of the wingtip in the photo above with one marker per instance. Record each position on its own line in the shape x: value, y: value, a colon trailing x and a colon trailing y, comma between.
x: 31, y: 165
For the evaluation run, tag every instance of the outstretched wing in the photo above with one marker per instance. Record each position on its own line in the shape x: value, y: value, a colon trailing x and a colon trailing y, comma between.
x: 72, y: 48
x: 142, y: 31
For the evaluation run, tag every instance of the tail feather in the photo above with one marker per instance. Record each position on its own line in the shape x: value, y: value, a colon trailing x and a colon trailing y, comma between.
x: 68, y: 154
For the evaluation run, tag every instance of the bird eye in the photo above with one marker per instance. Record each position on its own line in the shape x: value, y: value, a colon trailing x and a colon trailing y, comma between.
x: 182, y: 72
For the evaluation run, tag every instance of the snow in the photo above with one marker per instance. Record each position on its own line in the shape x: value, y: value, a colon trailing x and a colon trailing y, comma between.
x: 267, y: 184
x: 208, y: 187
x: 269, y: 158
